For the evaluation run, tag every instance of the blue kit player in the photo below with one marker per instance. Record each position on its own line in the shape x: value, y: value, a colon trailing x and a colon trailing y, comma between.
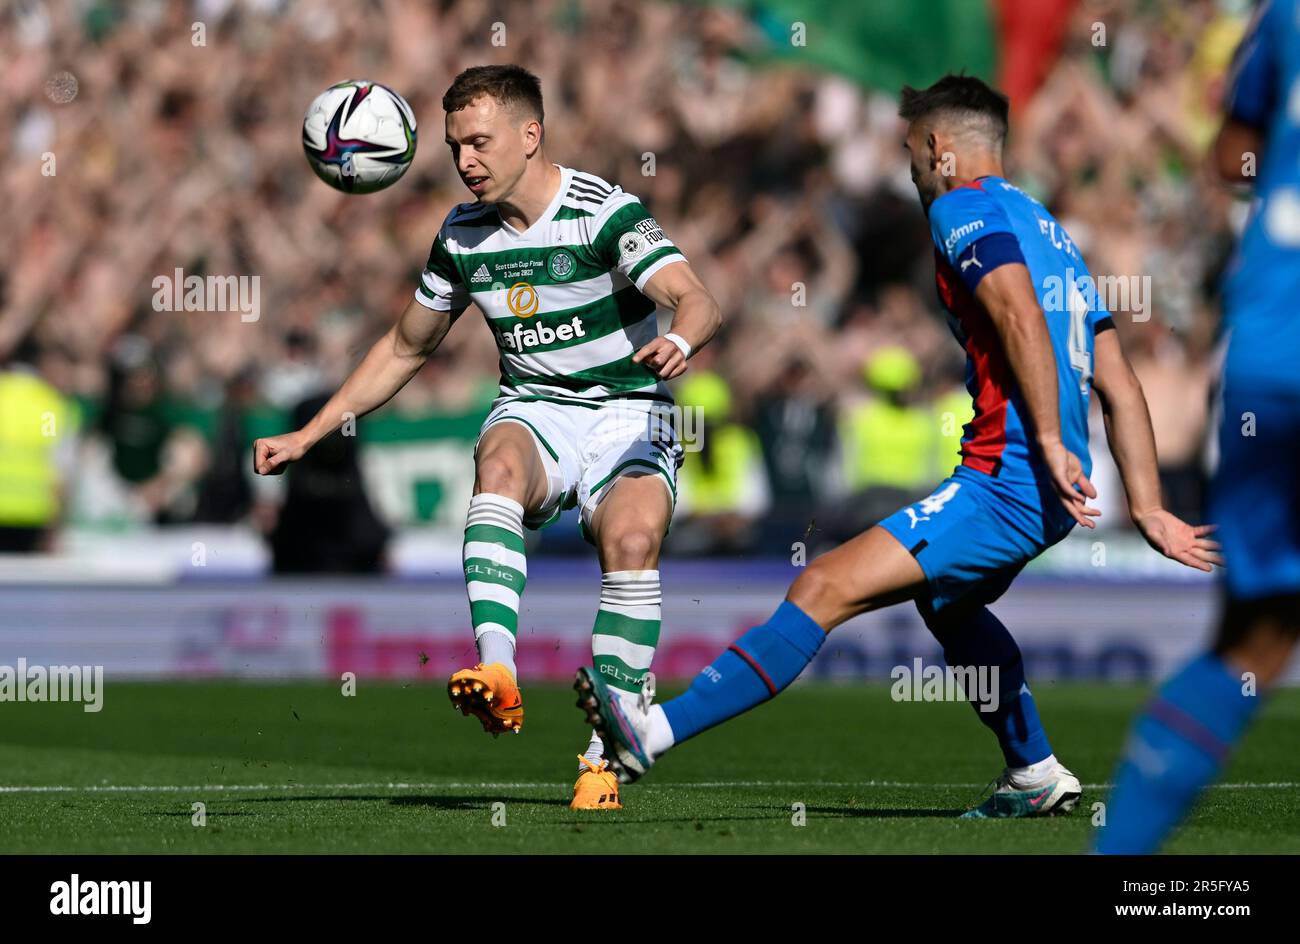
x: 1016, y: 291
x: 1183, y: 737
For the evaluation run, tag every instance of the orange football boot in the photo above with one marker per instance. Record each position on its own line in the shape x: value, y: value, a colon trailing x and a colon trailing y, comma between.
x: 596, y: 789
x: 489, y: 693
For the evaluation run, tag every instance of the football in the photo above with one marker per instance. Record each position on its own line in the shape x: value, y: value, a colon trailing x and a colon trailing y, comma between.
x: 359, y: 136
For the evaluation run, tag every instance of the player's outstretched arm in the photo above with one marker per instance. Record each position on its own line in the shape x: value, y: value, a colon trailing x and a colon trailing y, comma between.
x: 696, y: 318
x: 1007, y: 294
x: 1133, y: 444
x: 393, y: 360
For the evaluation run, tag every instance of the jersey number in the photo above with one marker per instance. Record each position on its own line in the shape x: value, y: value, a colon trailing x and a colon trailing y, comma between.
x: 1080, y: 357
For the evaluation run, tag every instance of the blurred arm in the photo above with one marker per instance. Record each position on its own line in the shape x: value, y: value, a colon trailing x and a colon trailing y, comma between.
x: 1252, y: 93
x: 1235, y: 140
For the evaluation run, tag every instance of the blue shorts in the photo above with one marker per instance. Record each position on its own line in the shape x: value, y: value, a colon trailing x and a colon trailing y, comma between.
x: 1255, y: 499
x: 975, y: 533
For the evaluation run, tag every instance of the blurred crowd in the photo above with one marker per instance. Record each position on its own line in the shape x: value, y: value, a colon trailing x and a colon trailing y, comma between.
x: 150, y: 136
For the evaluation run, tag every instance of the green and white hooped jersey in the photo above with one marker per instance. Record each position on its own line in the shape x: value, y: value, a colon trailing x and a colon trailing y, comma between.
x: 563, y: 297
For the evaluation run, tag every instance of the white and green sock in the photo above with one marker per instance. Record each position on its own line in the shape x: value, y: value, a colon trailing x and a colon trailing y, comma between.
x: 627, y: 628
x: 625, y: 635
x: 495, y: 573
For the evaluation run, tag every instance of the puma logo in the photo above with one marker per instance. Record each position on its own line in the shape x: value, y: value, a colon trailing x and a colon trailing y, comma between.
x: 972, y: 261
x: 915, y: 518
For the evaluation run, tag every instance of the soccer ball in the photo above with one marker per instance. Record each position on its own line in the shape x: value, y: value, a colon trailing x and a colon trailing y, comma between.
x: 359, y: 136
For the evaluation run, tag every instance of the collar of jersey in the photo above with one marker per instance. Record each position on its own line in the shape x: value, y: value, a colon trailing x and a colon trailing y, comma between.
x: 566, y: 175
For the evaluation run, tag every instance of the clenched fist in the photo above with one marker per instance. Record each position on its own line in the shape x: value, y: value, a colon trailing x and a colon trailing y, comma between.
x: 272, y: 454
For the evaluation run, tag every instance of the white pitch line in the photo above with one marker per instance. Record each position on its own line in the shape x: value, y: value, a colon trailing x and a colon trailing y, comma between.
x: 714, y: 785
x: 1277, y: 785
x: 264, y: 787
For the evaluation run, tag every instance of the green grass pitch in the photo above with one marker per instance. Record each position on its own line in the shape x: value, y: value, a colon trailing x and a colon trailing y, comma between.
x: 298, y: 767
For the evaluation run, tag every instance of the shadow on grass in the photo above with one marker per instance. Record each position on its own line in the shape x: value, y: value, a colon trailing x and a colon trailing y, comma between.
x: 460, y: 802
x: 476, y: 802
x: 482, y: 802
x: 584, y: 817
x: 878, y: 813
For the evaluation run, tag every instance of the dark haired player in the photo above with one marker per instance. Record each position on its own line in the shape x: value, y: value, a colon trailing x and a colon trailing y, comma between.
x: 1015, y: 288
x: 568, y: 271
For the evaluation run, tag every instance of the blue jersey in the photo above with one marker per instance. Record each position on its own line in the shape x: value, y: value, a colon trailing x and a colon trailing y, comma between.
x: 1255, y: 498
x: 976, y: 228
x: 1263, y: 281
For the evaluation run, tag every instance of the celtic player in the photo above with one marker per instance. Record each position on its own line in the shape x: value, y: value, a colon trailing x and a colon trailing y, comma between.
x: 568, y: 271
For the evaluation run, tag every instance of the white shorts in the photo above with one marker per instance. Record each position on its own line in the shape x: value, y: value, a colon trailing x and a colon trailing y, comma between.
x: 585, y: 449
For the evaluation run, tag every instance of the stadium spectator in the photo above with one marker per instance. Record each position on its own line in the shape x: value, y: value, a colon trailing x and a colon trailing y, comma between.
x: 327, y: 524
x: 38, y: 430
x: 952, y: 410
x: 888, y: 442
x: 1176, y: 377
x: 794, y: 418
x: 225, y: 494
x: 156, y: 449
x: 722, y: 487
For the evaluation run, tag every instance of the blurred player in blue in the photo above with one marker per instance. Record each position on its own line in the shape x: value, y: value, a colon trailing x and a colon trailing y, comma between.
x: 1019, y: 301
x: 1183, y: 737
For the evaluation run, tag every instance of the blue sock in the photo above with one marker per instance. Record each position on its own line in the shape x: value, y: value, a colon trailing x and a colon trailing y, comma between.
x: 753, y: 669
x: 982, y: 640
x: 1176, y: 747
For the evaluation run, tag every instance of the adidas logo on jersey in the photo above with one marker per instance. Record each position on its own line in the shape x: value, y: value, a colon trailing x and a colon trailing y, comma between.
x: 481, y: 274
x: 521, y: 337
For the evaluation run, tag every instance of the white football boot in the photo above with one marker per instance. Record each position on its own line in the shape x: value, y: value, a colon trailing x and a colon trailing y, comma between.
x: 1015, y: 795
